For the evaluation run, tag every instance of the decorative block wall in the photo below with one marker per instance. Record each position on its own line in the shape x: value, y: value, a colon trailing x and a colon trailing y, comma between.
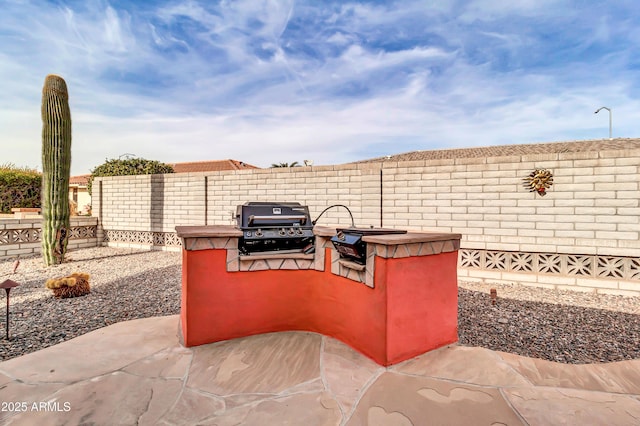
x: 21, y: 237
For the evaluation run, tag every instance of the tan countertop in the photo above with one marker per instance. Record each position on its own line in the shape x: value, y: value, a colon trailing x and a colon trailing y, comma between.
x: 393, y: 239
x: 410, y: 237
x: 322, y: 231
x: 208, y: 231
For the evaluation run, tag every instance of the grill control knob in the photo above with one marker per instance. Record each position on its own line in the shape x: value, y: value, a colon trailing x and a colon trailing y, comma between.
x: 248, y: 234
x: 291, y: 231
x: 259, y: 233
x: 299, y: 231
x: 282, y: 231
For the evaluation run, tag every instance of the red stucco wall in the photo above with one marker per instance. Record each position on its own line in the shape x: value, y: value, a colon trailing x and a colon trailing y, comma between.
x: 411, y: 309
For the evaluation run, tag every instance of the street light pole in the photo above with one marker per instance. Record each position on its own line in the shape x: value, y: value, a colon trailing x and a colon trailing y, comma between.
x: 608, y: 109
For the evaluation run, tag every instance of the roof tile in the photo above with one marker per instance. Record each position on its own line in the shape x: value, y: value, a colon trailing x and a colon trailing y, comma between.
x: 513, y: 150
x: 210, y: 166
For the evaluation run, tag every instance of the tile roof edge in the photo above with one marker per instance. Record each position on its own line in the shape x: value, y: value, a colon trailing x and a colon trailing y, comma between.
x: 236, y: 164
x: 588, y: 142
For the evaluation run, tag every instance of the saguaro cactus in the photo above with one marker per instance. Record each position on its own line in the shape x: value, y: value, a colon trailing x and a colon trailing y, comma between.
x: 56, y: 164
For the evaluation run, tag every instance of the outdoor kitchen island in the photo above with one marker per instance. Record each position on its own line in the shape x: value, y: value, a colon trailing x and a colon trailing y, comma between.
x: 401, y: 302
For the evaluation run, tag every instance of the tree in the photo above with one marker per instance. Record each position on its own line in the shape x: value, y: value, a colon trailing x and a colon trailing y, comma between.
x: 127, y: 167
x: 294, y: 164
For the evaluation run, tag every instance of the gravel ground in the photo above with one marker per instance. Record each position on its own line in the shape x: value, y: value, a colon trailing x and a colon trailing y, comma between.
x: 568, y: 327
x: 562, y: 326
x: 125, y: 285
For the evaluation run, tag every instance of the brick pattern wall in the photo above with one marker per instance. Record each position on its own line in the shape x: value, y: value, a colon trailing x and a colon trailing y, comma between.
x: 159, y: 203
x: 592, y: 209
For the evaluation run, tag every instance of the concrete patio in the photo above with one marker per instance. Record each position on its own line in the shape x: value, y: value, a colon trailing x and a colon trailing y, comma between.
x: 136, y: 372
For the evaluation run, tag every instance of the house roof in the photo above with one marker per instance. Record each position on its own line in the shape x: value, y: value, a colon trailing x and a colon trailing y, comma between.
x: 210, y: 166
x: 80, y: 180
x: 194, y: 166
x: 508, y: 150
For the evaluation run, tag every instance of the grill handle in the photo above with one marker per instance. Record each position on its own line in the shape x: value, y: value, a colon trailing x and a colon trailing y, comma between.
x: 277, y: 219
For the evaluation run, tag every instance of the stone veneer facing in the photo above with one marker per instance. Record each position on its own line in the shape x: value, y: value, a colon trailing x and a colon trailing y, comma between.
x: 350, y: 270
x: 236, y: 262
x: 365, y: 275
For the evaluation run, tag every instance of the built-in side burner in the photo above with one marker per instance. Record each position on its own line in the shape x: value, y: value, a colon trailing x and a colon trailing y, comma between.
x: 348, y: 241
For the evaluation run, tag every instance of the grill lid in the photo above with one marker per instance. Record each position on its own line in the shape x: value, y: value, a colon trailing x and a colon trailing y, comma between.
x: 270, y: 214
x: 255, y: 220
x: 370, y: 231
x: 271, y: 227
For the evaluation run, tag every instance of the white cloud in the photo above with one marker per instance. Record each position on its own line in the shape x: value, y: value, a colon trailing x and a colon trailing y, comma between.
x: 115, y: 37
x: 361, y: 60
x: 341, y: 39
x: 492, y: 9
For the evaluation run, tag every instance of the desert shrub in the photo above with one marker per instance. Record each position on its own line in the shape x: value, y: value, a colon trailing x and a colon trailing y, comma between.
x: 19, y: 187
x: 127, y: 167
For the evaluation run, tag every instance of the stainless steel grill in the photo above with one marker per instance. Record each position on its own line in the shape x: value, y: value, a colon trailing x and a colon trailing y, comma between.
x: 271, y: 226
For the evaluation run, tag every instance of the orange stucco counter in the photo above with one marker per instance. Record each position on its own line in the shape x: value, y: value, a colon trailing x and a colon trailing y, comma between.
x: 401, y: 303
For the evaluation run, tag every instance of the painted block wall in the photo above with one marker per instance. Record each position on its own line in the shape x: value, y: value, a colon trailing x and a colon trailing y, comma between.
x: 592, y: 207
x: 591, y: 211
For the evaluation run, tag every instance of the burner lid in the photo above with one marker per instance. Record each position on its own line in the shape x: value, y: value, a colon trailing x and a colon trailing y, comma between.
x: 371, y: 231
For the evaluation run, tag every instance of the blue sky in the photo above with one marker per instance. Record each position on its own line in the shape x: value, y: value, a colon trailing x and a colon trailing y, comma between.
x: 282, y: 81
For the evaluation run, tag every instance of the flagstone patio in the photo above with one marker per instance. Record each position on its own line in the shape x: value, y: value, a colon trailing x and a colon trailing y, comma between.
x: 136, y: 372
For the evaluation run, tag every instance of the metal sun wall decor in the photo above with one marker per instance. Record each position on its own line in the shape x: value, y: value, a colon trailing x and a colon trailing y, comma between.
x: 539, y: 181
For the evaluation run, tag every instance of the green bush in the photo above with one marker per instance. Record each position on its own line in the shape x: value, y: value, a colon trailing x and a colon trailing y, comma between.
x: 19, y: 187
x: 127, y: 167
